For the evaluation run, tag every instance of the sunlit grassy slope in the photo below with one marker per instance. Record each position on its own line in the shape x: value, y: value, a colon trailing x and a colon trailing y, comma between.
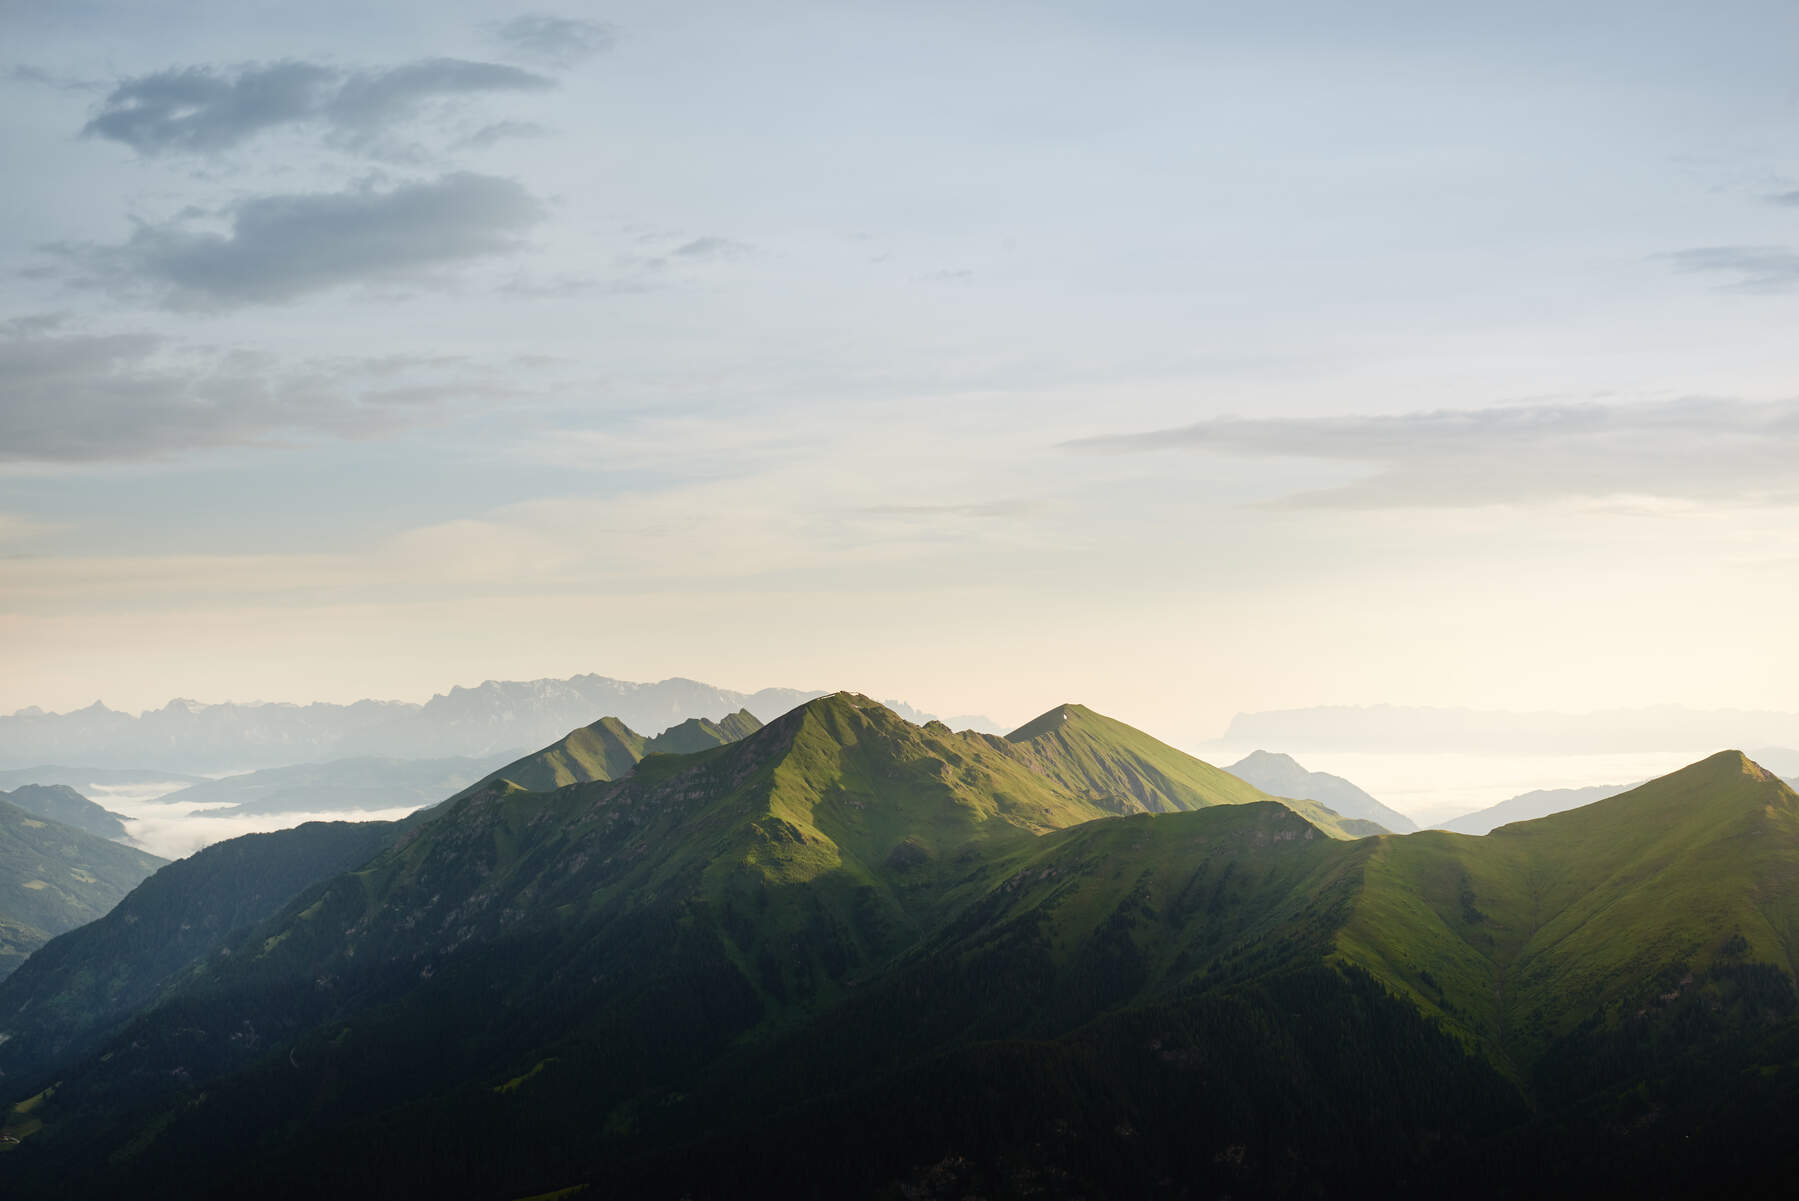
x: 1127, y: 771
x: 1518, y: 936
x: 609, y: 750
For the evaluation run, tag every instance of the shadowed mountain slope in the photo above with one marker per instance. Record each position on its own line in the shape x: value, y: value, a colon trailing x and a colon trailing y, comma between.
x: 54, y: 877
x: 60, y: 803
x: 83, y: 983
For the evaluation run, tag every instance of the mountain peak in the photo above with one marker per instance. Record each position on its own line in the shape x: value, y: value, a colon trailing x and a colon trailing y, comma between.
x: 1259, y: 758
x: 1055, y: 719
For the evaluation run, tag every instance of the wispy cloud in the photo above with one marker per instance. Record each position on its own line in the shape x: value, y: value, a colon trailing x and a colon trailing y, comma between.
x: 283, y: 246
x: 979, y: 510
x: 84, y: 397
x: 1695, y: 449
x: 501, y: 131
x: 558, y: 41
x: 203, y: 110
x: 711, y: 248
x: 1754, y: 268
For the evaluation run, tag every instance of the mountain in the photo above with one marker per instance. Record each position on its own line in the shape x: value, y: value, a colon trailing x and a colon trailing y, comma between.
x: 55, y: 877
x: 850, y: 956
x: 1126, y: 771
x: 1540, y: 803
x: 1282, y: 775
x: 700, y: 897
x: 59, y: 802
x: 494, y: 718
x: 365, y: 784
x: 1782, y: 761
x: 1590, y: 913
x: 979, y: 723
x: 609, y: 750
x: 82, y: 984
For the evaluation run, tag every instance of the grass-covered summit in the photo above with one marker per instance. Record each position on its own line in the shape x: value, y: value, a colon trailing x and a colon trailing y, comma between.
x: 608, y: 749
x: 1591, y: 914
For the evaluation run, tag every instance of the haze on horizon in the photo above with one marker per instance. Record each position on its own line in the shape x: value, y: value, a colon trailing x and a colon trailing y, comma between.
x: 1181, y: 360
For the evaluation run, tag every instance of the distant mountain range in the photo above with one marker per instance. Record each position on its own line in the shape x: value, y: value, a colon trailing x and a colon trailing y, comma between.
x: 1530, y: 805
x: 492, y: 719
x: 1390, y: 728
x: 1281, y: 775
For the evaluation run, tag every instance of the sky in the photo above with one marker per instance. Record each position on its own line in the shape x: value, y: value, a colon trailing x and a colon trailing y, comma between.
x: 1177, y: 359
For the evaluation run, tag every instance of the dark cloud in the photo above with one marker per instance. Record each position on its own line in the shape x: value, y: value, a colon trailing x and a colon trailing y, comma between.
x: 562, y: 41
x: 82, y: 397
x: 1691, y: 449
x: 1756, y: 268
x: 280, y: 247
x: 1785, y: 199
x: 199, y: 110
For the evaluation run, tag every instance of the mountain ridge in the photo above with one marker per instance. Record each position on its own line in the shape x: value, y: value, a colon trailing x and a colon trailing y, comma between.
x: 983, y: 961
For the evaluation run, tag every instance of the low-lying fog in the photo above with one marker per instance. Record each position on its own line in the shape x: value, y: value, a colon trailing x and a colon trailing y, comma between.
x: 177, y: 830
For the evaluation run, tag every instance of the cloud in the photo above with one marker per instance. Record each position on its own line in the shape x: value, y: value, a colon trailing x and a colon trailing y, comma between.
x: 1757, y: 268
x: 200, y: 110
x: 711, y: 248
x: 500, y: 131
x: 17, y: 528
x: 1785, y: 199
x: 560, y: 41
x: 368, y: 100
x: 84, y: 397
x: 980, y: 510
x: 1695, y: 449
x: 284, y: 246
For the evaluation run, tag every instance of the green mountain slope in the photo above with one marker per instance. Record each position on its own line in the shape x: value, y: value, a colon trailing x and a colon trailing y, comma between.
x: 54, y: 877
x: 1126, y: 771
x: 1542, y: 925
x: 60, y: 803
x: 850, y: 956
x: 609, y: 750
